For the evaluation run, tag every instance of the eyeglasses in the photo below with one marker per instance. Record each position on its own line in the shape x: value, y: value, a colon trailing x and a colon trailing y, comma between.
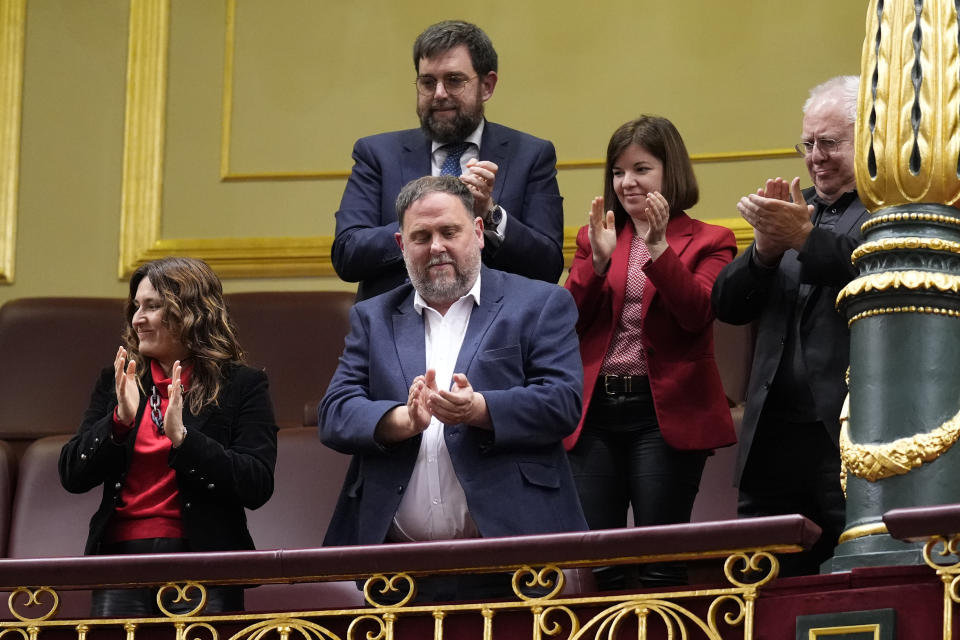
x: 453, y: 84
x: 826, y: 145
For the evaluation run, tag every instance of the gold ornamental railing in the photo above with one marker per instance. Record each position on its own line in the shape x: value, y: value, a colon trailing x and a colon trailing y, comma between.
x: 543, y: 606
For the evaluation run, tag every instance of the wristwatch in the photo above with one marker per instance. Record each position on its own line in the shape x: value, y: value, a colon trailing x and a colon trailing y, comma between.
x: 495, y: 216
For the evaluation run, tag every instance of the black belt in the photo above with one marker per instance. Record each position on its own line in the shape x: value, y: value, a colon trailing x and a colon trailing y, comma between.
x: 623, y: 385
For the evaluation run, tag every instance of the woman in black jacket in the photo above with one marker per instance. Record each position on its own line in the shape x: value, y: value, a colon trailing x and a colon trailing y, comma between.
x: 179, y: 432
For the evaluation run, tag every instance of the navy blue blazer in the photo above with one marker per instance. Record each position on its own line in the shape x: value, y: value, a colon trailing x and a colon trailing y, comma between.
x: 364, y: 249
x: 521, y: 351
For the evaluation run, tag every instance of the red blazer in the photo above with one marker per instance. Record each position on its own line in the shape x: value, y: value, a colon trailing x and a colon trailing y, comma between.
x: 691, y: 407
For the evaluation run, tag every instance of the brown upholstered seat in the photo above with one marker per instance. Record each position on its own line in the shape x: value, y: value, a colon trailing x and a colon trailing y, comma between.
x: 8, y: 479
x: 297, y: 338
x: 306, y: 486
x: 52, y: 346
x: 733, y: 346
x: 48, y: 521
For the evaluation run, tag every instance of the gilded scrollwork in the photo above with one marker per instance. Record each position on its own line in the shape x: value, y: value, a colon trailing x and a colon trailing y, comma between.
x: 730, y: 618
x: 910, y: 279
x: 284, y: 627
x: 33, y: 600
x: 761, y: 566
x: 380, y: 627
x: 549, y: 626
x: 906, y: 243
x: 674, y: 618
x: 944, y: 548
x: 182, y: 595
x: 527, y: 578
x: 6, y: 634
x: 392, y: 585
x: 874, y: 462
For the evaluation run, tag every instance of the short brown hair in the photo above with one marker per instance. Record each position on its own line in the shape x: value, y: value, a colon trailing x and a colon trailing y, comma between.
x: 661, y: 139
x: 422, y: 187
x: 439, y: 38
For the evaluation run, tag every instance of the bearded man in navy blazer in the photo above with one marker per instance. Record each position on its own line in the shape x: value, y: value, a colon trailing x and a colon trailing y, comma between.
x: 454, y: 392
x: 512, y: 175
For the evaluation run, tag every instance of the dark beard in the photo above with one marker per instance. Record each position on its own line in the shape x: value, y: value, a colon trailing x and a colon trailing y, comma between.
x: 455, y: 130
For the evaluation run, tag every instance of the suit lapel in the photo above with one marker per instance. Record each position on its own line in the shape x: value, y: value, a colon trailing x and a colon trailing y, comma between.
x: 483, y: 315
x: 494, y: 146
x: 679, y: 235
x: 409, y: 340
x: 415, y: 159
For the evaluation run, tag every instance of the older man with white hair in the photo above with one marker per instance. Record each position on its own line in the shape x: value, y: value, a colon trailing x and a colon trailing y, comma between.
x: 787, y: 283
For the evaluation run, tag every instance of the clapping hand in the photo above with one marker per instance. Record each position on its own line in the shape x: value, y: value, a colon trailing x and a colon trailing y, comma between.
x: 601, y: 230
x: 125, y: 379
x: 173, y: 418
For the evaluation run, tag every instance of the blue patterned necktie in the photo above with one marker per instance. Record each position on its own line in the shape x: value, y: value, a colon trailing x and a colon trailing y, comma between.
x: 451, y: 165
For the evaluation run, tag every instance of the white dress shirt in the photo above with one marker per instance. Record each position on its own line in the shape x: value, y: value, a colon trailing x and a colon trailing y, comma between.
x: 434, y: 506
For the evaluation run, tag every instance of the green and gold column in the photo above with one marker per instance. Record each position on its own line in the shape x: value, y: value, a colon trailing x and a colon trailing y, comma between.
x: 902, y: 419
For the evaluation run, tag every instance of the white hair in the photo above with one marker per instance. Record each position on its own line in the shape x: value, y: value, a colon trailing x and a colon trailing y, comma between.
x: 842, y: 88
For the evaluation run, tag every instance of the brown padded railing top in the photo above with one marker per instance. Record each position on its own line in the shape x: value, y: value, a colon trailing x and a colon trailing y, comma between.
x: 565, y: 550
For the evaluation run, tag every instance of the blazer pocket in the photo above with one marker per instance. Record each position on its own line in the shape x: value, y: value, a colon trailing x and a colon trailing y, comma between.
x: 541, y: 475
x: 513, y: 351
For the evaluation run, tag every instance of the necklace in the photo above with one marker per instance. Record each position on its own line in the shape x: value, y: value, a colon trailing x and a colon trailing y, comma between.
x: 155, y: 414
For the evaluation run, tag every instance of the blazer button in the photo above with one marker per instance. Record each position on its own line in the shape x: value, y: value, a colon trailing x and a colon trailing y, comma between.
x: 118, y: 486
x: 766, y: 385
x: 83, y: 456
x: 192, y: 471
x: 187, y: 505
x: 400, y: 489
x: 95, y: 440
x: 211, y: 487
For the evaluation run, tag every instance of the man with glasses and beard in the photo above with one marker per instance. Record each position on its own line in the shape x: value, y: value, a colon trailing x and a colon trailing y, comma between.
x: 453, y: 394
x: 512, y: 175
x: 787, y: 282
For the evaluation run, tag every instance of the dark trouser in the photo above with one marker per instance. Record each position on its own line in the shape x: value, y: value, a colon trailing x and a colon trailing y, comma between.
x: 795, y: 468
x: 621, y: 461
x: 142, y: 603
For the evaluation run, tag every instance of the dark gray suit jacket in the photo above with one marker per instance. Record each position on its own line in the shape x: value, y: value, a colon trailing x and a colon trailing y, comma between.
x: 743, y: 294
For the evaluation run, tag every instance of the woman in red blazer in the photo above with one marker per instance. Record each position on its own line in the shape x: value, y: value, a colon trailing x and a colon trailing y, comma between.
x: 654, y: 407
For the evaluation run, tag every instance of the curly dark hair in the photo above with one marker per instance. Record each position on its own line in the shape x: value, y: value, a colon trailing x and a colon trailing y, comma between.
x: 194, y: 311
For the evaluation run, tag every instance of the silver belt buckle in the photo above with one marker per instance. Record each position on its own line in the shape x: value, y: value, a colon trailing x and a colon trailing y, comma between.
x: 606, y: 385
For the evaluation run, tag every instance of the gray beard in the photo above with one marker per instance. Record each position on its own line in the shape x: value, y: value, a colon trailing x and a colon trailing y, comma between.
x: 447, y: 290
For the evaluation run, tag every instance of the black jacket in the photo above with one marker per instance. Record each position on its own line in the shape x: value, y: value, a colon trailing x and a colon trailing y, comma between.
x: 224, y: 464
x: 743, y: 294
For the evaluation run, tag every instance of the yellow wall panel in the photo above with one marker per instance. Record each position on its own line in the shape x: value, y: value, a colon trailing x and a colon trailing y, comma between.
x: 307, y: 77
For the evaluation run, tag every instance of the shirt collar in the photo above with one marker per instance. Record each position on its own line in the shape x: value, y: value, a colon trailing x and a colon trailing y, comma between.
x: 419, y: 304
x: 473, y: 138
x: 840, y: 203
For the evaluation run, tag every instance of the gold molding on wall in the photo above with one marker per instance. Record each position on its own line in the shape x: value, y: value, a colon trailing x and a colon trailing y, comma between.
x: 141, y: 207
x: 145, y: 128
x: 13, y: 26
x: 142, y: 192
x: 742, y: 231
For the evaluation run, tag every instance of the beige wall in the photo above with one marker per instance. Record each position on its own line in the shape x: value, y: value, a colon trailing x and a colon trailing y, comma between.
x: 310, y: 76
